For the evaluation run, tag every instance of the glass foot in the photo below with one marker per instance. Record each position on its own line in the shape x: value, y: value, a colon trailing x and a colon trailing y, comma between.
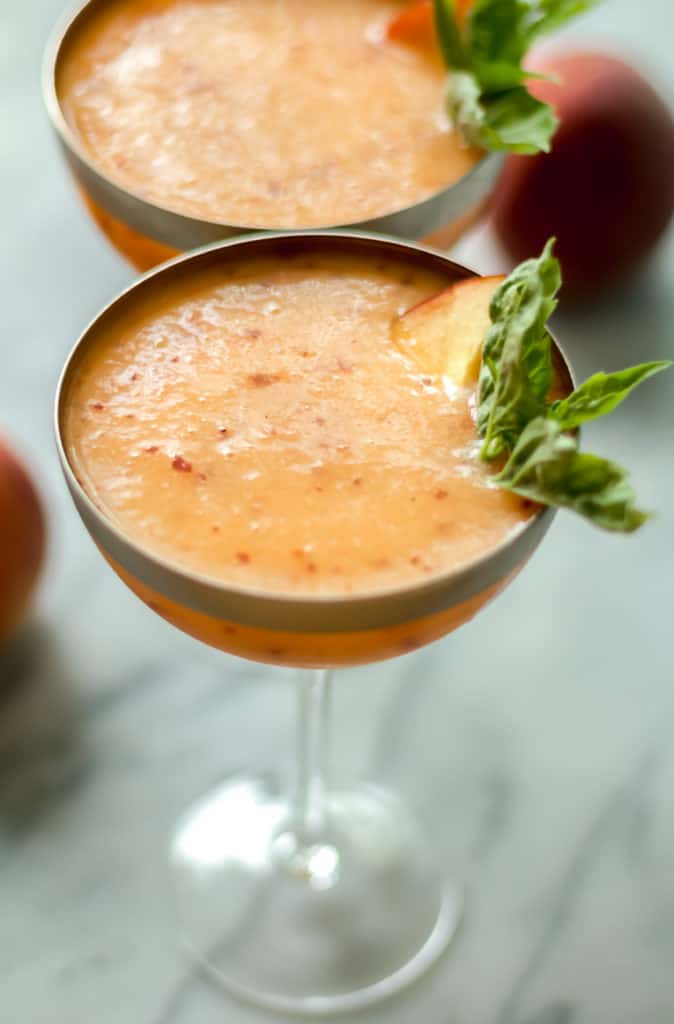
x: 312, y: 927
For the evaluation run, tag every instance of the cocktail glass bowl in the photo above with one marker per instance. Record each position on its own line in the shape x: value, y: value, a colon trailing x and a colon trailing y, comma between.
x: 318, y: 901
x: 146, y: 233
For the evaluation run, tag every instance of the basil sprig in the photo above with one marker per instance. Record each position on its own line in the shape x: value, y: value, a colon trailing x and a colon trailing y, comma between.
x: 516, y: 369
x: 546, y: 466
x: 600, y: 394
x: 486, y: 92
x: 515, y: 418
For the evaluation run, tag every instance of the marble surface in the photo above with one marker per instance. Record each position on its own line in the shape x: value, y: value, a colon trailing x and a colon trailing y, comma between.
x: 537, y: 744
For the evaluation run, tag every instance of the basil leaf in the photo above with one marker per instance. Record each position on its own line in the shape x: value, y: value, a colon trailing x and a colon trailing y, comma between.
x: 514, y: 121
x: 503, y: 30
x: 546, y: 466
x: 448, y: 34
x: 498, y: 42
x: 465, y: 109
x: 516, y: 419
x: 551, y: 14
x: 517, y: 122
x: 600, y: 394
x: 488, y: 99
x: 516, y: 370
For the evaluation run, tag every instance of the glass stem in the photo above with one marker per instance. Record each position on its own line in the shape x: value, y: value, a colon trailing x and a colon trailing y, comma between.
x: 313, y: 736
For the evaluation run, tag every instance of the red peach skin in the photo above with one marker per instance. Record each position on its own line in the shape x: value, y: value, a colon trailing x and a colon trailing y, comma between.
x: 606, y: 191
x: 22, y: 541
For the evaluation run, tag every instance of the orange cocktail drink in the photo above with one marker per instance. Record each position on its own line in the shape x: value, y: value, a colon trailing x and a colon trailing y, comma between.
x: 273, y: 115
x: 261, y: 429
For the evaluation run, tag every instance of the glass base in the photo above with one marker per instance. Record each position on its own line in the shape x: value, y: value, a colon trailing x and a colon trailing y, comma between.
x: 314, y: 927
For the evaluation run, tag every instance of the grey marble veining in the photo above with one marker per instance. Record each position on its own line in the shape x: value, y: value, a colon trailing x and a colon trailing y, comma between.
x: 537, y: 744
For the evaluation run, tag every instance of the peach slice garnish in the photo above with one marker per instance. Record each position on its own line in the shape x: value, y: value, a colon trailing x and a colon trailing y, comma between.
x: 415, y: 24
x: 443, y: 335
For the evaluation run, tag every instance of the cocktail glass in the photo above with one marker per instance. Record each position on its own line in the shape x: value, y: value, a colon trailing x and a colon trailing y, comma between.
x: 321, y: 900
x: 146, y: 233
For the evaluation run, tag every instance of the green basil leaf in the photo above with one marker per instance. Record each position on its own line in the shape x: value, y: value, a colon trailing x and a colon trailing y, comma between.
x: 489, y: 100
x: 497, y: 37
x: 552, y: 14
x: 448, y: 34
x: 516, y: 370
x: 515, y: 121
x: 498, y: 77
x: 465, y: 109
x: 547, y: 467
x: 600, y: 394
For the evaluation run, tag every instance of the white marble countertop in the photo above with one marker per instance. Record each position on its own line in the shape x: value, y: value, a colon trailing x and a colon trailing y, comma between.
x: 537, y: 743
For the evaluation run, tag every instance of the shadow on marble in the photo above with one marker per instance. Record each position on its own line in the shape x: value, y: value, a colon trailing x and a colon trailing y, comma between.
x: 43, y: 758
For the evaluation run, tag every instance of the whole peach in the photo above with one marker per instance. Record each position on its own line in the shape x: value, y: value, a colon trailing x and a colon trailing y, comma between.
x: 606, y: 191
x: 22, y: 540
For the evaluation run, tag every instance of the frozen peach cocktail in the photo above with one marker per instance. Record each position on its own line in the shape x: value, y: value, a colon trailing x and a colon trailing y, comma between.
x: 279, y: 114
x: 317, y: 450
x: 189, y: 120
x: 261, y: 426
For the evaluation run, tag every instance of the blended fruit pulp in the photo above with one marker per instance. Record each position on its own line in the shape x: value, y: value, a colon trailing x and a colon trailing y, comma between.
x: 256, y: 424
x: 286, y: 114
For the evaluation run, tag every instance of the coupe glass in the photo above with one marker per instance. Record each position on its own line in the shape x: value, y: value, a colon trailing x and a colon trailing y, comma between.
x: 147, y: 234
x: 317, y: 900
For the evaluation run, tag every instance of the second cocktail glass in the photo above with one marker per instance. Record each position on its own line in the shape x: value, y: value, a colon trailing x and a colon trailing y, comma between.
x: 321, y: 133
x: 320, y: 901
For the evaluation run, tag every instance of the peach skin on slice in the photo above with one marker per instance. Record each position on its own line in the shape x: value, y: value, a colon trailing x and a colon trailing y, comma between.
x: 443, y: 335
x: 414, y: 25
